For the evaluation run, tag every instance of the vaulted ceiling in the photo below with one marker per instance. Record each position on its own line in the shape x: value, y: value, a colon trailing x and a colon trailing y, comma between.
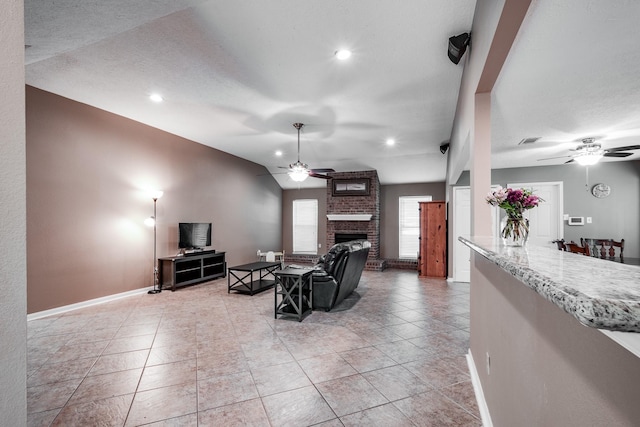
x: 236, y: 75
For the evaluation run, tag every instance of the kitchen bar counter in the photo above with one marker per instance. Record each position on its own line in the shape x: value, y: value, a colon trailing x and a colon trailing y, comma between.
x: 599, y: 293
x: 532, y: 360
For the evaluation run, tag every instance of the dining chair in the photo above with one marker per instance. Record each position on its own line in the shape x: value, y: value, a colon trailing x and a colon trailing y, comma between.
x: 577, y: 249
x: 608, y: 247
x: 561, y: 244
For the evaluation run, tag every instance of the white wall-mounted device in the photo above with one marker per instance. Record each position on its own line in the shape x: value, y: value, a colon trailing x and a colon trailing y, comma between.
x: 575, y: 220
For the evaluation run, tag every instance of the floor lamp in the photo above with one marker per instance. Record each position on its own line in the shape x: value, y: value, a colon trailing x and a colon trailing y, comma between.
x: 152, y: 222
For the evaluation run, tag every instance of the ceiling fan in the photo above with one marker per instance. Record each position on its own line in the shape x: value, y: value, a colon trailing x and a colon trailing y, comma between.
x: 299, y: 171
x: 589, y: 152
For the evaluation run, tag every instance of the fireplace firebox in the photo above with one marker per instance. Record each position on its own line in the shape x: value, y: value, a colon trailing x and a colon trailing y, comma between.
x: 347, y: 237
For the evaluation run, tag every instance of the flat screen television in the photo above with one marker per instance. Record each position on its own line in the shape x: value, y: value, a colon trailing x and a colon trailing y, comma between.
x: 194, y: 235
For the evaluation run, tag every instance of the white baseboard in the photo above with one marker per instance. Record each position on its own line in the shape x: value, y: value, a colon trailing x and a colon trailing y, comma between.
x: 477, y: 388
x: 83, y: 304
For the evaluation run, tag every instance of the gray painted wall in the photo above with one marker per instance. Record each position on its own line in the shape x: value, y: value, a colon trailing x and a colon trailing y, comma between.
x: 389, y: 195
x: 616, y: 217
x: 13, y: 267
x: 389, y: 211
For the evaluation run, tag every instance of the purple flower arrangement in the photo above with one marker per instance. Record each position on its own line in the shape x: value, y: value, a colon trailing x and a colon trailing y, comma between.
x: 513, y: 201
x: 515, y: 230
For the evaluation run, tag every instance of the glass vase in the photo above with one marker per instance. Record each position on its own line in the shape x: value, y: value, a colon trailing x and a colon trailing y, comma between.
x: 514, y: 231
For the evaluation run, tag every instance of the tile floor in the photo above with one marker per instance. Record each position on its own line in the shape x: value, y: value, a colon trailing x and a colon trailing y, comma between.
x: 393, y: 354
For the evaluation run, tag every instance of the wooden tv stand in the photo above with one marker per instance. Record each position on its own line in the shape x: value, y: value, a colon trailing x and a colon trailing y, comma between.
x: 194, y: 268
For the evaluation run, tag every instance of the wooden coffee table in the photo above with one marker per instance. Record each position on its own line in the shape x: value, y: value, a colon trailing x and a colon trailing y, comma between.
x: 244, y: 279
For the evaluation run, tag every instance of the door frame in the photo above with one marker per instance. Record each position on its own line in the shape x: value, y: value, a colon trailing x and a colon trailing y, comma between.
x: 559, y: 201
x: 459, y: 252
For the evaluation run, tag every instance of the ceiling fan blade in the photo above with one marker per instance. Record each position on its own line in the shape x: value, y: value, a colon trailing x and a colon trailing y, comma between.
x: 618, y: 154
x: 569, y: 161
x: 627, y: 148
x: 322, y: 170
x: 551, y: 158
x: 318, y: 175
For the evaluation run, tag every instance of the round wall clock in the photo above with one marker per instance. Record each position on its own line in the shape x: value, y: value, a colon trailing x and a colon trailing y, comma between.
x: 601, y: 190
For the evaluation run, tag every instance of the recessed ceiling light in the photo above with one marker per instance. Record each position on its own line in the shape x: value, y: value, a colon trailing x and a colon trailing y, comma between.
x: 391, y: 141
x: 343, y: 54
x: 279, y: 153
x: 156, y: 97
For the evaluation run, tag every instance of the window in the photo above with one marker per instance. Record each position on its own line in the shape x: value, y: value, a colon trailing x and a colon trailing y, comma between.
x: 409, y: 221
x: 305, y: 226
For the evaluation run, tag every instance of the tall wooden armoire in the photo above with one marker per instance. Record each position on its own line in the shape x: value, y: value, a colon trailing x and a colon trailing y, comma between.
x: 432, y: 260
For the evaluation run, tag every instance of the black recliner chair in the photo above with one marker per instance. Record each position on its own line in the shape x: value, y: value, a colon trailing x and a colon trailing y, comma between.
x: 338, y: 273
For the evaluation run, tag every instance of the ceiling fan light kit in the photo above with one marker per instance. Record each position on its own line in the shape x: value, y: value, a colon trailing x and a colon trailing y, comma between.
x: 589, y: 159
x: 299, y: 171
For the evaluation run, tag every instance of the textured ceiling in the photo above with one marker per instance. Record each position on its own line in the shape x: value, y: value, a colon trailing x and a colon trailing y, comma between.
x: 572, y: 74
x: 236, y: 75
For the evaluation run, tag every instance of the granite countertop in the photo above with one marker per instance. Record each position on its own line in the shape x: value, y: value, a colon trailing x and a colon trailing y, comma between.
x: 599, y: 293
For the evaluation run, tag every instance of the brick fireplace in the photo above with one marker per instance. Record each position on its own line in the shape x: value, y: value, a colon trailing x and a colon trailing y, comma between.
x: 356, y: 214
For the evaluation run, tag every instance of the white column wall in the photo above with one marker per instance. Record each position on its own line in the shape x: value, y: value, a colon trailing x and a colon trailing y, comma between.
x: 13, y: 263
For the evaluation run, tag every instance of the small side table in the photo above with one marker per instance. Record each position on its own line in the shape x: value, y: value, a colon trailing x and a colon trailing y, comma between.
x: 296, y: 287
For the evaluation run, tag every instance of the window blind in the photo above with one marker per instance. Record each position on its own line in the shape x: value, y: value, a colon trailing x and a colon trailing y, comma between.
x: 305, y: 226
x: 409, y: 225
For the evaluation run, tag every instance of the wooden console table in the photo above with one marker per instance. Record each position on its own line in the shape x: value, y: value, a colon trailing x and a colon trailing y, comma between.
x: 179, y: 271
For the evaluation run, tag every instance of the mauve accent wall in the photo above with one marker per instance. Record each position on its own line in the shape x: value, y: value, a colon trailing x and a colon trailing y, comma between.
x: 87, y: 171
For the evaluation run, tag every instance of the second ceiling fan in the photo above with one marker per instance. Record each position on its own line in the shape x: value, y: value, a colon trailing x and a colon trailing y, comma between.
x: 590, y: 152
x: 299, y: 171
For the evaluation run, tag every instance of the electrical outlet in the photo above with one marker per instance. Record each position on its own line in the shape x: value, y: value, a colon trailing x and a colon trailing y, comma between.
x: 488, y: 364
x: 589, y: 221
x: 565, y: 217
x: 319, y: 245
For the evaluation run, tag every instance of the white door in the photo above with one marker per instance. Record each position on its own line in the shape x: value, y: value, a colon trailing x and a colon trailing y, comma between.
x: 545, y: 221
x: 462, y: 227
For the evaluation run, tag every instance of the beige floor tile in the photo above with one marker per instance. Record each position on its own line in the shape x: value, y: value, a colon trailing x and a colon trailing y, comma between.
x: 162, y: 403
x: 168, y: 374
x: 367, y: 359
x: 249, y: 413
x: 279, y: 378
x: 50, y: 396
x: 42, y: 419
x: 225, y: 364
x: 175, y: 353
x: 350, y: 394
x: 200, y: 348
x: 224, y: 390
x: 433, y: 409
x: 107, y: 385
x: 189, y: 420
x: 396, y: 382
x: 122, y: 345
x: 380, y: 416
x: 105, y: 412
x: 55, y: 372
x: 119, y: 362
x: 326, y: 367
x: 300, y: 407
